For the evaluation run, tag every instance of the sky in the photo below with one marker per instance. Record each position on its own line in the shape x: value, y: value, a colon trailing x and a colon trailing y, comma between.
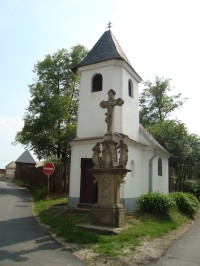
x: 159, y: 37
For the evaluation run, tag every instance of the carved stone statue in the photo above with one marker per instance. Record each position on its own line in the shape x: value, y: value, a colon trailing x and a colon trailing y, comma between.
x: 96, y: 154
x: 123, y: 151
x: 109, y: 105
x: 106, y: 155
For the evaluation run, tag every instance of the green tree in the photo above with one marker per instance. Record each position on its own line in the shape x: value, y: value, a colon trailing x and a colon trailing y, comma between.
x: 155, y: 103
x: 183, y: 147
x: 50, y: 119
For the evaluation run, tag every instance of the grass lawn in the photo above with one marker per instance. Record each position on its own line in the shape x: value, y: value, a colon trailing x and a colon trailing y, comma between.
x: 63, y: 224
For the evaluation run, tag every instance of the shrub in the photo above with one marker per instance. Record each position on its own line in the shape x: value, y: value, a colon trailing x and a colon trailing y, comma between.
x: 155, y: 203
x: 192, y: 186
x: 185, y: 202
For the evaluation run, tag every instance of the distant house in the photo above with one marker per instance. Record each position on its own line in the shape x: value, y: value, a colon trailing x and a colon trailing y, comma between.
x: 23, y: 165
x: 10, y: 170
x: 2, y: 174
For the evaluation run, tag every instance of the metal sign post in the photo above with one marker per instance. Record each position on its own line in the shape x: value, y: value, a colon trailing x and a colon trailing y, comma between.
x: 48, y: 169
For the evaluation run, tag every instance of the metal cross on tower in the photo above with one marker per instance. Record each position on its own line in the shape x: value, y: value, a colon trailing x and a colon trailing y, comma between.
x: 109, y: 25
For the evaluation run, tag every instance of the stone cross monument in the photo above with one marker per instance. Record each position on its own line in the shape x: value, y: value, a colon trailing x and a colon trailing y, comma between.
x: 110, y: 104
x: 109, y: 172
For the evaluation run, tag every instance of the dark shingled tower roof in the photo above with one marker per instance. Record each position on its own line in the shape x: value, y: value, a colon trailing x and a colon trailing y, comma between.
x: 26, y: 158
x: 106, y: 48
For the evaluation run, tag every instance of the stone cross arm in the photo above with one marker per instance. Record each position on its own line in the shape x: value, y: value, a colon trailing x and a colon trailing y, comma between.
x: 109, y: 105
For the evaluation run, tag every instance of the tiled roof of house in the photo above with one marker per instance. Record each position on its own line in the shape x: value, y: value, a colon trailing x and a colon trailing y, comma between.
x: 26, y: 157
x: 106, y: 48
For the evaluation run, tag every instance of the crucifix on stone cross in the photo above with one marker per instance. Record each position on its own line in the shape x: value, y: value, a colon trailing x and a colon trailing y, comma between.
x: 109, y: 105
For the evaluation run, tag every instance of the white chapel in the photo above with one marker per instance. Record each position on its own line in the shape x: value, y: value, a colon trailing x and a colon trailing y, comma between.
x: 107, y: 67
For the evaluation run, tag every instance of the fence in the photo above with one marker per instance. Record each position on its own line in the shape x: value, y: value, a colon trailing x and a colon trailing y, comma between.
x: 33, y: 176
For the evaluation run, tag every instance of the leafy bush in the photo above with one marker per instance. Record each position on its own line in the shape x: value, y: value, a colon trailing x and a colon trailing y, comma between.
x: 185, y: 202
x: 192, y: 186
x: 155, y: 203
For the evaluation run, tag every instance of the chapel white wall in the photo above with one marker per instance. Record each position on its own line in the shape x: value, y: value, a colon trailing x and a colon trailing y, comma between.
x: 160, y: 183
x: 130, y: 109
x: 138, y: 183
x: 78, y: 151
x: 91, y: 117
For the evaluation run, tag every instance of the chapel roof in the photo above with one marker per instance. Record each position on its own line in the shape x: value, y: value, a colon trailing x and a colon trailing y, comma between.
x: 26, y: 157
x: 151, y: 138
x: 106, y: 48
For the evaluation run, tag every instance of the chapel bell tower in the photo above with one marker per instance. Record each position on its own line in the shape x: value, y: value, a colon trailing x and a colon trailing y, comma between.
x: 106, y: 67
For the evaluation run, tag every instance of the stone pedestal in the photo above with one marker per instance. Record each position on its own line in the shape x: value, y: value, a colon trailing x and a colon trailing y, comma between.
x: 108, y: 215
x: 108, y: 211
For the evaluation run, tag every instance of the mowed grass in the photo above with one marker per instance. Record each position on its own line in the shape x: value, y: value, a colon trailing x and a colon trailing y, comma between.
x: 63, y: 223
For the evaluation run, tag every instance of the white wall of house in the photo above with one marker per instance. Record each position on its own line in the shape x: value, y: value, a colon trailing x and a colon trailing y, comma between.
x: 10, y: 173
x: 2, y: 174
x: 10, y: 170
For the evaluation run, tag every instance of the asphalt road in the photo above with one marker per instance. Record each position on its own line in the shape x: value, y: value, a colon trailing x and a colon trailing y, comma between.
x: 185, y: 251
x: 22, y: 239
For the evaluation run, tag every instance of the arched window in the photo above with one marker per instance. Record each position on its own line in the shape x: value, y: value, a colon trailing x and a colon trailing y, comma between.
x: 132, y: 168
x: 130, y: 88
x: 160, y: 167
x: 97, y: 82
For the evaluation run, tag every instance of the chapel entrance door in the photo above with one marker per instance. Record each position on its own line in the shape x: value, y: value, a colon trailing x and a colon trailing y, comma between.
x: 88, y: 192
